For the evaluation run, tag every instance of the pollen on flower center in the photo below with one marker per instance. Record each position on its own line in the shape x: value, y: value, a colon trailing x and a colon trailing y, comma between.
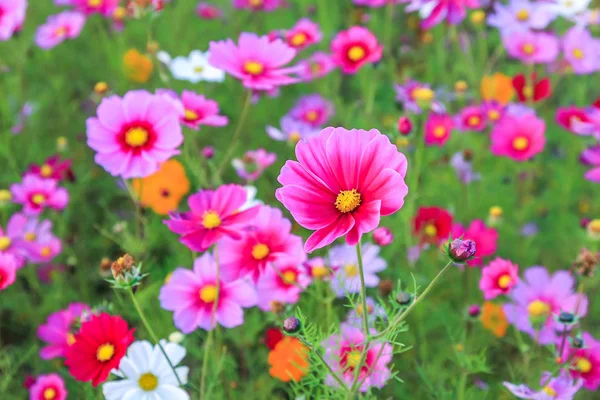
x: 549, y: 391
x: 38, y: 199
x: 351, y: 270
x: 105, y: 352
x: 5, y: 242
x: 45, y: 170
x: 320, y: 271
x: 528, y: 91
x: 298, y: 39
x: 136, y: 137
x: 148, y: 382
x: 538, y: 308
x: 260, y: 251
x: 359, y: 309
x: 208, y: 293
x: 523, y: 15
x: 494, y: 115
x: 528, y: 48
x: 70, y: 339
x: 60, y: 31
x: 256, y: 3
x: 430, y: 230
x: 190, y: 115
x: 353, y: 358
x: 439, y: 132
x: 95, y: 3
x: 294, y: 137
x: 311, y: 116
x: 289, y: 277
x: 578, y: 53
x: 49, y: 394
x: 347, y: 200
x: 520, y: 143
x: 504, y: 281
x: 211, y: 220
x: 45, y: 251
x: 584, y: 365
x: 474, y: 120
x: 198, y: 69
x: 253, y: 67
x: 356, y: 53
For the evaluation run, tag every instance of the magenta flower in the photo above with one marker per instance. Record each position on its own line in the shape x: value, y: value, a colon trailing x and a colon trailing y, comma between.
x: 104, y: 7
x: 313, y: 110
x: 494, y: 111
x: 471, y: 118
x: 383, y: 236
x: 11, y: 239
x: 36, y: 194
x: 346, y: 278
x: 344, y: 182
x: 343, y: 353
x: 256, y: 61
x: 537, y: 298
x: 267, y: 240
x: 498, y: 277
x: 292, y: 130
x: 519, y: 138
x: 485, y: 239
x: 531, y: 47
x: 213, y: 215
x: 281, y: 282
x: 581, y: 50
x: 573, y: 118
x: 591, y: 157
x: 562, y: 387
x: 58, y: 28
x: 354, y: 48
x: 585, y: 362
x: 36, y: 239
x: 451, y: 11
x: 49, y: 386
x: 253, y: 164
x: 191, y: 295
x: 316, y: 66
x: 305, y: 33
x: 258, y: 5
x: 438, y: 128
x: 59, y: 330
x: 8, y: 270
x: 208, y: 11
x: 12, y: 16
x: 134, y: 134
x: 52, y: 168
x: 198, y: 110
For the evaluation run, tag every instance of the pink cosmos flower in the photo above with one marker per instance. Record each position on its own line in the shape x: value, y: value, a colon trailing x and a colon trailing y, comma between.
x: 313, y: 110
x: 585, y: 362
x: 498, y: 277
x: 213, y: 215
x: 485, y: 239
x: 377, y: 3
x: 581, y: 50
x: 317, y: 268
x: 305, y: 33
x: 438, y: 129
x: 208, y: 11
x: 12, y: 16
x: 344, y: 182
x: 531, y: 47
x: 316, y: 66
x: 198, y: 110
x: 562, y: 387
x: 452, y: 11
x: 519, y: 138
x: 538, y: 298
x: 52, y: 168
x: 59, y: 330
x: 35, y: 238
x: 383, y: 236
x: 471, y: 118
x: 48, y: 387
x: 8, y: 270
x: 258, y: 5
x: 494, y: 111
x: 591, y: 157
x: 281, y: 282
x: 355, y: 47
x: 11, y: 239
x: 571, y: 118
x: 134, y: 134
x: 256, y: 61
x: 191, y: 295
x: 343, y: 353
x: 267, y: 240
x: 253, y: 164
x: 58, y: 28
x: 291, y: 130
x: 35, y: 194
x: 104, y: 7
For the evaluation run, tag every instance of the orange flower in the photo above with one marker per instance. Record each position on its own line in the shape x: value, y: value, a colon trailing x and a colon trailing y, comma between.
x: 494, y: 319
x: 497, y: 87
x: 138, y: 67
x: 289, y: 360
x: 163, y: 190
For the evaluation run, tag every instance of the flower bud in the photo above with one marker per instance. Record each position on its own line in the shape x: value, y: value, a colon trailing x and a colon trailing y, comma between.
x: 176, y: 337
x: 474, y: 310
x: 477, y: 17
x: 566, y: 318
x: 461, y: 250
x: 383, y: 236
x: 423, y: 96
x: 208, y: 152
x: 291, y: 325
x: 405, y: 125
x: 586, y: 262
x: 101, y: 88
x: 460, y: 87
x: 403, y: 298
x: 122, y: 266
x: 576, y: 342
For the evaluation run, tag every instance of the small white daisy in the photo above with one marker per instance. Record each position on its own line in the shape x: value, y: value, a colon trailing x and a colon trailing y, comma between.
x: 146, y: 375
x: 194, y: 68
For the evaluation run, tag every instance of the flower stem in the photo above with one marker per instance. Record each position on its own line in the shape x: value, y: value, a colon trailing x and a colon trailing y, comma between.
x: 152, y: 334
x: 209, y: 338
x: 236, y: 134
x: 316, y: 351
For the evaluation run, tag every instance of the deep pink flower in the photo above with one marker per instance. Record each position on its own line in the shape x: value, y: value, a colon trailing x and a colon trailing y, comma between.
x: 134, y: 134
x: 104, y: 7
x: 48, y: 387
x: 355, y: 47
x: 267, y: 240
x: 12, y: 16
x: 531, y: 47
x: 303, y: 34
x: 471, y: 118
x: 8, y: 270
x: 256, y: 61
x: 208, y: 11
x: 191, y: 295
x: 58, y: 28
x: 438, y: 129
x: 198, y: 110
x: 253, y: 164
x: 313, y: 110
x: 35, y: 194
x: 52, y: 168
x: 451, y: 11
x: 571, y: 117
x: 213, y: 215
x: 519, y: 138
x: 494, y: 111
x: 258, y: 5
x: 316, y: 66
x: 11, y: 239
x: 485, y: 239
x: 585, y: 363
x: 281, y: 282
x: 343, y: 182
x: 59, y: 330
x: 498, y: 277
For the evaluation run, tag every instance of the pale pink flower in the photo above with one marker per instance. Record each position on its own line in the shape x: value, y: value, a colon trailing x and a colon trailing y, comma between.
x: 198, y: 110
x: 316, y: 66
x: 258, y: 5
x: 531, y: 47
x: 253, y: 164
x: 12, y: 16
x: 519, y: 138
x: 354, y: 48
x: 58, y: 28
x: 313, y: 110
x: 498, y: 277
x: 36, y: 194
x: 303, y: 34
x: 281, y: 282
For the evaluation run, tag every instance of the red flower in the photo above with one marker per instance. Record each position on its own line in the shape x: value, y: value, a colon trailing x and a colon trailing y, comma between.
x: 432, y: 224
x: 272, y: 337
x: 99, y: 347
x: 596, y: 104
x: 531, y: 88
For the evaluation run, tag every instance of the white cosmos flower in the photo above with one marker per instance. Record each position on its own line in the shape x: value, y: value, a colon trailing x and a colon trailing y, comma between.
x: 146, y: 374
x: 194, y: 68
x: 567, y: 8
x: 251, y: 199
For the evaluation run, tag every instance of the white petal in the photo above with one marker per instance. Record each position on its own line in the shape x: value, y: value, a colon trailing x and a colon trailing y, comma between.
x: 169, y: 392
x: 118, y: 390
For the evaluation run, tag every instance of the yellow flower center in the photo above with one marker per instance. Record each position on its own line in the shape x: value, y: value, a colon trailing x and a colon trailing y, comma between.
x: 351, y: 270
x: 320, y: 271
x: 359, y: 309
x: 538, y: 308
x: 148, y: 382
x: 439, y: 132
x: 478, y: 16
x: 356, y: 53
x: 198, y: 69
x: 190, y: 115
x: 474, y: 120
x: 298, y: 39
x: 347, y: 200
x: 430, y: 230
x: 520, y: 143
x: 256, y: 3
x: 423, y: 94
x: 105, y: 352
x: 49, y: 394
x: 593, y: 226
x: 60, y: 31
x: 95, y: 3
x: 289, y: 277
x: 578, y: 54
x: 294, y: 137
x: 493, y: 115
x: 211, y: 220
x: 45, y: 251
x: 528, y: 91
x: 136, y: 137
x: 38, y: 199
x: 70, y: 339
x: 504, y: 281
x: 4, y: 242
x: 45, y: 170
x: 496, y: 211
x: 528, y: 48
x: 260, y: 251
x: 523, y: 15
x: 549, y: 391
x: 208, y: 293
x: 584, y: 365
x: 353, y: 358
x: 253, y: 67
x: 311, y: 116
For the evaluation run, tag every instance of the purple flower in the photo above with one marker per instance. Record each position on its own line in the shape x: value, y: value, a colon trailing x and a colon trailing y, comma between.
x: 346, y: 278
x: 405, y: 94
x: 461, y: 250
x: 519, y: 15
x: 463, y: 168
x: 531, y: 47
x: 313, y: 110
x: 292, y: 130
x: 591, y: 157
x: 529, y: 229
x: 563, y: 387
x: 581, y: 50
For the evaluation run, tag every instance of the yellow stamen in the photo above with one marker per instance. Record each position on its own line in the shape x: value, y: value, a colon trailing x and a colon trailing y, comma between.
x: 289, y: 277
x: 49, y: 394
x: 294, y: 137
x: 578, y: 54
x: 208, y: 293
x: 523, y: 15
x: 538, y: 308
x: 298, y: 39
x: 493, y: 115
x: 253, y: 67
x: 105, y: 352
x: 211, y: 220
x: 353, y: 358
x: 38, y: 199
x: 520, y: 143
x: 136, y: 137
x: 5, y: 242
x: 439, y: 132
x: 504, y: 281
x: 549, y: 391
x: 148, y: 382
x: 190, y: 115
x: 70, y: 339
x: 260, y: 251
x: 430, y: 230
x: 528, y: 48
x: 45, y: 251
x: 356, y: 53
x: 311, y: 116
x: 320, y: 271
x: 95, y: 3
x: 347, y: 200
x: 474, y: 120
x: 584, y: 365
x: 351, y: 270
x: 45, y: 170
x: 256, y: 3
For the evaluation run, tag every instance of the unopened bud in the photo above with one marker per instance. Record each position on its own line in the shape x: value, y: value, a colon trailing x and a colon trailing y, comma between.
x: 383, y: 236
x: 100, y: 88
x: 461, y: 86
x: 474, y: 310
x: 208, y: 152
x: 461, y: 250
x: 403, y: 298
x: 291, y: 325
x: 405, y: 125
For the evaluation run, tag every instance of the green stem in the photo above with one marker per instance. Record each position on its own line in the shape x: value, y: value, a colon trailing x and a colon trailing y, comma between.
x: 331, y: 371
x: 236, y: 134
x: 462, y: 386
x: 209, y: 338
